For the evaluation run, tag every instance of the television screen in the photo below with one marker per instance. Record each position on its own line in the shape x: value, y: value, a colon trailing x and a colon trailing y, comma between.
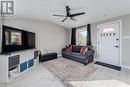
x: 14, y: 39
x: 30, y: 42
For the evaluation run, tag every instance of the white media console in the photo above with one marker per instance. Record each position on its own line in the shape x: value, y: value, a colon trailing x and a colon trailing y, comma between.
x: 14, y: 64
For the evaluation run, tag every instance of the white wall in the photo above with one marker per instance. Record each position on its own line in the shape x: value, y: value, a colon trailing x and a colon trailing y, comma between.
x: 125, y: 37
x: 48, y: 35
x: 1, y: 22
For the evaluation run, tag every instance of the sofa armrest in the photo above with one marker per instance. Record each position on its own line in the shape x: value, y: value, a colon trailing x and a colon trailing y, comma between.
x: 63, y: 49
x: 90, y: 52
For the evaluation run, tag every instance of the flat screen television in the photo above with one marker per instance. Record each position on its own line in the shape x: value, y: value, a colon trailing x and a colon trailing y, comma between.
x: 14, y: 39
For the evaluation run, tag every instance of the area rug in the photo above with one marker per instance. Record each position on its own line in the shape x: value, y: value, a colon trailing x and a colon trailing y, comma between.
x: 68, y: 70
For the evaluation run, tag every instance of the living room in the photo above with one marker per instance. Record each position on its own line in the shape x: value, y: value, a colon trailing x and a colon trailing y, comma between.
x: 65, y: 43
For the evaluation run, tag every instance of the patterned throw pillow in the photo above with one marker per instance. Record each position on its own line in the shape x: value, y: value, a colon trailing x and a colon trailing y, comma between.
x: 68, y: 48
x: 83, y: 50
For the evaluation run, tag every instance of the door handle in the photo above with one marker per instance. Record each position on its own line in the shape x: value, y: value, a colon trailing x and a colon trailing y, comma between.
x: 116, y: 46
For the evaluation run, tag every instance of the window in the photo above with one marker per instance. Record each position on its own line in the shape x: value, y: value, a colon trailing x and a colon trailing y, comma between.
x: 106, y: 30
x: 81, y: 36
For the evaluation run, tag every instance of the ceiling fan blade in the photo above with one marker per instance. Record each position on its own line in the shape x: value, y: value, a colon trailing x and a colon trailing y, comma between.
x: 73, y: 15
x: 67, y: 10
x: 60, y: 15
x: 73, y: 19
x: 64, y: 19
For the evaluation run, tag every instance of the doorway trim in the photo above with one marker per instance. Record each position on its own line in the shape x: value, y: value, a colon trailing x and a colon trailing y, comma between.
x: 120, y: 32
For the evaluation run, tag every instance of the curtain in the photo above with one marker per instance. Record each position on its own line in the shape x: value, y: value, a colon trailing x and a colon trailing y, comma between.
x: 88, y: 35
x: 73, y: 36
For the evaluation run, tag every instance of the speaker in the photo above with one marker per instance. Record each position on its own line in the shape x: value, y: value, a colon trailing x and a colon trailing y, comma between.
x: 36, y: 54
x: 13, y: 61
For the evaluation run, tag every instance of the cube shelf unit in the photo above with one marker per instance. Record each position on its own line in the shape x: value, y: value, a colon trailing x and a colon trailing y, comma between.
x: 15, y: 64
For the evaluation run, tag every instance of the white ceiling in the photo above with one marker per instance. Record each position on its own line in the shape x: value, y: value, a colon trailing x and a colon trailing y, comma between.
x: 95, y: 10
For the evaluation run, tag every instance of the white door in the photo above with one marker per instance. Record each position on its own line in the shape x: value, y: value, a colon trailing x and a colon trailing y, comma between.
x: 109, y: 43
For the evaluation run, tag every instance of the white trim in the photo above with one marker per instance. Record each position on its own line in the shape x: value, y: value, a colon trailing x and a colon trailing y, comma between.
x: 95, y: 59
x: 120, y: 30
x: 120, y: 21
x: 125, y: 66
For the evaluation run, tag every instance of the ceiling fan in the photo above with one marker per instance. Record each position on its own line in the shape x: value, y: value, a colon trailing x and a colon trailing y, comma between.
x: 69, y: 15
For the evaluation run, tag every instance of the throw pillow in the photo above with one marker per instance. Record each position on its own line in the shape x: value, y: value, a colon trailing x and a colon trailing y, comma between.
x: 83, y: 50
x: 69, y: 48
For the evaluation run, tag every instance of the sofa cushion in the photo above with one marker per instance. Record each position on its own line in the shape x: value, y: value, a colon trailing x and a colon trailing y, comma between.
x: 66, y: 53
x: 77, y: 55
x: 76, y: 48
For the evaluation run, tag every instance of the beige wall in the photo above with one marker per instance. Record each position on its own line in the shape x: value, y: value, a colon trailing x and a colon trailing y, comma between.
x: 48, y: 35
x: 125, y: 37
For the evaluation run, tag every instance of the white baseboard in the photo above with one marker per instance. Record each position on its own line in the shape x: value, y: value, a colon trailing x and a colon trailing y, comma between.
x: 95, y: 59
x: 125, y: 66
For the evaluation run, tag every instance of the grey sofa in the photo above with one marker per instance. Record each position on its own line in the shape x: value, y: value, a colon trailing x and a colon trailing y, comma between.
x: 76, y: 56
